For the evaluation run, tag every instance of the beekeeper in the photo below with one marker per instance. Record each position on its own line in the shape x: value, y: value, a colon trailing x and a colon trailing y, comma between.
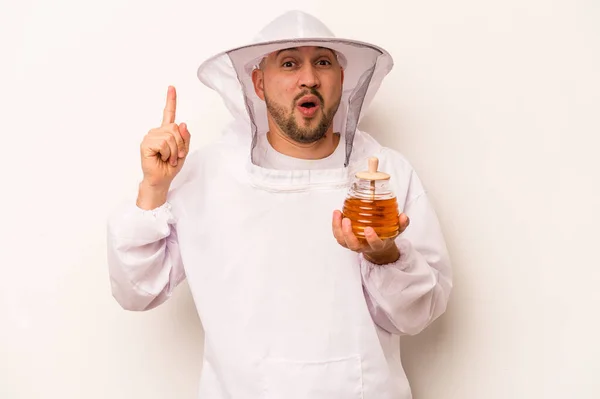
x: 292, y: 305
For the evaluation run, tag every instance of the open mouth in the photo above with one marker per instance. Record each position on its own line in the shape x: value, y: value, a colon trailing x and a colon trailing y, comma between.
x: 308, y: 104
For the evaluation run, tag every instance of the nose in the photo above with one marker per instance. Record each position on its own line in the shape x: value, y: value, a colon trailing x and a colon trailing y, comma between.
x: 308, y: 76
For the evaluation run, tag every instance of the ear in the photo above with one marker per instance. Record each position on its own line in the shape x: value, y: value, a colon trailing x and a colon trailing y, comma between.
x: 342, y: 74
x: 258, y: 80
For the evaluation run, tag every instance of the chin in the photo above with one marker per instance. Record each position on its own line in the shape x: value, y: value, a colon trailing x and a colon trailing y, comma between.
x: 309, y: 123
x: 312, y: 137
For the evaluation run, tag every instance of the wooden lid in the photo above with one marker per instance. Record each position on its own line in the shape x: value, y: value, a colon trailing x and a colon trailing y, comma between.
x: 372, y: 173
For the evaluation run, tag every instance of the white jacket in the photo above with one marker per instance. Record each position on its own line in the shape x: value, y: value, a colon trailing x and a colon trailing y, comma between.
x: 287, y: 312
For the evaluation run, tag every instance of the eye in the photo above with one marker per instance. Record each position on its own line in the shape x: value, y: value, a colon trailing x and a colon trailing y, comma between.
x: 288, y: 64
x: 323, y: 62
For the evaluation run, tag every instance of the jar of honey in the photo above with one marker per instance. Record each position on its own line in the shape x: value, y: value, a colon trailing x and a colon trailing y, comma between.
x: 371, y: 203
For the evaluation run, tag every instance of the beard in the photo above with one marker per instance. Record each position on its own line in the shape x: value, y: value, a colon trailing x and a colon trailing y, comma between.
x: 302, y: 133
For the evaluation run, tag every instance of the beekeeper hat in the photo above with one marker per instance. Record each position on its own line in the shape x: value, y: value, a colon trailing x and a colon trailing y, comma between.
x: 229, y: 73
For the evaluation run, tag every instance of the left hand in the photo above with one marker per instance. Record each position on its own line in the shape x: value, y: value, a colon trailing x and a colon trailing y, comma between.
x: 375, y: 249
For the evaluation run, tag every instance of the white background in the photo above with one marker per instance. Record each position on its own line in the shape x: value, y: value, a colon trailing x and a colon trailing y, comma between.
x: 496, y: 104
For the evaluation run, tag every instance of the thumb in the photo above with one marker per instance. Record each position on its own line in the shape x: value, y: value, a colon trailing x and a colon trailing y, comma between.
x: 185, y: 135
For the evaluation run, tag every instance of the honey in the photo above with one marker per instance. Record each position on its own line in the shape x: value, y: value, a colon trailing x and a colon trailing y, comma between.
x: 380, y: 214
x: 371, y: 203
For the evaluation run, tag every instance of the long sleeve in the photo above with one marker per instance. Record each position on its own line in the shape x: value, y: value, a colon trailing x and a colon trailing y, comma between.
x: 407, y: 296
x: 144, y: 262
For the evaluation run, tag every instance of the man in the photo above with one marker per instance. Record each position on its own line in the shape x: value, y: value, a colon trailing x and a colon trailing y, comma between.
x: 292, y: 305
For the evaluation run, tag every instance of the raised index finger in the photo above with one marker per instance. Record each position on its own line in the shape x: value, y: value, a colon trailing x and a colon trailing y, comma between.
x: 171, y: 105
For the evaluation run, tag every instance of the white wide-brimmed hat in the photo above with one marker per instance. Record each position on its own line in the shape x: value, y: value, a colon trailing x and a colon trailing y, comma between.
x: 230, y: 72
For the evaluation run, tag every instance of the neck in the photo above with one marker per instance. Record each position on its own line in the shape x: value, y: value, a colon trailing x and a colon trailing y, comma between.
x: 318, y: 150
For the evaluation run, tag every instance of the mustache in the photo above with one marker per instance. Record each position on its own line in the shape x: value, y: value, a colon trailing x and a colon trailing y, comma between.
x: 312, y: 91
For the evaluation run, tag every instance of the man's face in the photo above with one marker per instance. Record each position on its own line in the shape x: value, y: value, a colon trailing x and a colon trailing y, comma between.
x: 302, y: 88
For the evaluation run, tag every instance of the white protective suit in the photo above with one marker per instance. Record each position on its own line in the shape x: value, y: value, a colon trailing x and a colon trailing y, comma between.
x: 288, y: 313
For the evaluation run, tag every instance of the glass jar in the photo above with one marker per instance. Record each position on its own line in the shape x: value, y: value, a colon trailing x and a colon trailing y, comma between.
x: 371, y: 203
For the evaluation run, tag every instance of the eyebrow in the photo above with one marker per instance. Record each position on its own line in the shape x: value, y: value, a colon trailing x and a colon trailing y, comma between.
x: 296, y: 49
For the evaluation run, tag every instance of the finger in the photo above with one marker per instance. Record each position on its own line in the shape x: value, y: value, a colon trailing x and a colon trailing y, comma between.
x: 186, y: 136
x: 373, y: 239
x: 170, y: 106
x: 164, y: 150
x: 176, y: 132
x: 336, y: 227
x: 160, y: 145
x: 404, y: 222
x: 351, y: 240
x: 170, y: 139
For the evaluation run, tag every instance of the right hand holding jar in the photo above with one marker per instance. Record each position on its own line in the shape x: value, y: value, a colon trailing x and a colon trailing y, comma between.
x: 371, y: 203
